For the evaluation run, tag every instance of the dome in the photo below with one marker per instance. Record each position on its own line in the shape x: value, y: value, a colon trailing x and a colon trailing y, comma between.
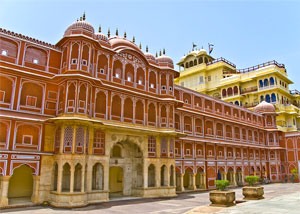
x: 202, y: 51
x: 150, y: 57
x: 264, y: 107
x: 101, y: 36
x: 80, y: 27
x: 121, y: 43
x: 165, y: 61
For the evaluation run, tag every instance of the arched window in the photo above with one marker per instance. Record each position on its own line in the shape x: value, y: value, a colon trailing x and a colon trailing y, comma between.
x: 97, y: 177
x: 117, y: 70
x: 261, y: 84
x: 140, y: 76
x: 191, y: 63
x: 116, y: 108
x: 151, y: 175
x: 139, y: 112
x: 66, y: 178
x: 273, y: 98
x: 262, y: 98
x: 224, y: 93
x: 200, y: 60
x: 268, y: 98
x: 152, y: 115
x: 195, y: 62
x: 100, y: 105
x: 128, y: 110
x: 77, y: 177
x: 102, y: 66
x: 237, y: 103
x: 266, y: 82
x: 152, y: 80
x: 272, y: 81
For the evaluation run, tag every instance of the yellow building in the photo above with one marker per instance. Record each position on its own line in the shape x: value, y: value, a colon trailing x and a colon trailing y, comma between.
x: 245, y: 87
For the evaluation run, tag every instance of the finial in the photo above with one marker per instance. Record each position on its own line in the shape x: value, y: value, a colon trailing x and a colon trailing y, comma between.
x: 83, y: 17
x: 117, y: 32
x: 156, y: 54
x: 125, y: 35
x: 140, y: 46
x: 164, y: 51
x: 99, y: 28
x: 147, y: 48
x: 80, y: 18
x: 108, y: 33
x: 202, y: 46
x: 77, y: 19
x: 133, y: 39
x: 159, y: 52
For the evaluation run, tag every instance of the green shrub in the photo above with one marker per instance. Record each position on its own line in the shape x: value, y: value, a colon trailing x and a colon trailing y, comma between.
x: 252, y: 180
x: 295, y: 173
x: 221, y: 184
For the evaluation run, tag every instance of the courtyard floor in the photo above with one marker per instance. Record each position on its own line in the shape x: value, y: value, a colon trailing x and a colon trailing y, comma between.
x: 279, y: 198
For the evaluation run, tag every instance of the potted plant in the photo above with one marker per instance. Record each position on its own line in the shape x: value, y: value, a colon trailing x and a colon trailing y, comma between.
x: 294, y: 175
x: 222, y: 197
x: 253, y: 192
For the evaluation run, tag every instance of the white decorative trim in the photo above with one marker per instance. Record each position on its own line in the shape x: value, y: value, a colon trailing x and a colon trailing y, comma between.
x: 22, y: 163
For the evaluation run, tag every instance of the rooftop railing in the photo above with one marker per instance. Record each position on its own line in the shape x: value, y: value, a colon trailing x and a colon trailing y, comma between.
x: 253, y: 68
x: 221, y: 60
x: 295, y: 92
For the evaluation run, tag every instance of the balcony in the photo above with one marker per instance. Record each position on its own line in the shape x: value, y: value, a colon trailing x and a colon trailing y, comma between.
x: 294, y: 92
x: 248, y: 90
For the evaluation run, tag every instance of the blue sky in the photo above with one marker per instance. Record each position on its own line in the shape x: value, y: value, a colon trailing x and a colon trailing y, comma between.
x: 244, y: 32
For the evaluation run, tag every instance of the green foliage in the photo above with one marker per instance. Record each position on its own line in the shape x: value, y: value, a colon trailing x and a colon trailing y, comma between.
x: 295, y: 172
x: 221, y: 184
x: 252, y: 180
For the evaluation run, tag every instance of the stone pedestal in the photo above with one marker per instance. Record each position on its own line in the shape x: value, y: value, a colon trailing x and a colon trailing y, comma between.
x: 222, y: 198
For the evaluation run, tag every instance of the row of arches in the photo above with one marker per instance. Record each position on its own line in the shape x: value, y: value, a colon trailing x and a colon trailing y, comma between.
x: 197, y: 126
x: 201, y: 103
x: 196, y: 61
x: 267, y: 82
x: 231, y: 91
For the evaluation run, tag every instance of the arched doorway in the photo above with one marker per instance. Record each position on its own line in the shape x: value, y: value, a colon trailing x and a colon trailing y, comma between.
x: 21, y: 184
x: 126, y: 172
x: 116, y: 181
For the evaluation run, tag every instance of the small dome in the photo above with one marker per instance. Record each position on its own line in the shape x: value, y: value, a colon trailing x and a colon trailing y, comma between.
x: 165, y: 61
x: 264, y: 107
x: 80, y: 27
x: 202, y: 51
x: 150, y: 57
x: 101, y: 36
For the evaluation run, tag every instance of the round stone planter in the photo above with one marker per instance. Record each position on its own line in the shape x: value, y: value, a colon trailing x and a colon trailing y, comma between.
x: 222, y: 198
x: 253, y: 193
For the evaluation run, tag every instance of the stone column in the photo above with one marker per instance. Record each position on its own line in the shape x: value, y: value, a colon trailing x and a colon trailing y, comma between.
x: 4, y: 190
x: 157, y: 176
x: 106, y: 175
x: 74, y: 139
x: 82, y: 178
x: 89, y: 178
x: 59, y: 177
x: 145, y: 174
x: 62, y: 136
x: 204, y: 180
x: 36, y: 187
x: 72, y: 178
x: 234, y: 179
x: 181, y: 187
x: 193, y: 183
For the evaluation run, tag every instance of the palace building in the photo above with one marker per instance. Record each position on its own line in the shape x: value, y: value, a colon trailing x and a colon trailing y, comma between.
x: 244, y: 87
x: 93, y: 117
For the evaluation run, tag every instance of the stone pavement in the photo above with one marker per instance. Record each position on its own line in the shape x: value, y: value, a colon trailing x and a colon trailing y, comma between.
x: 279, y: 198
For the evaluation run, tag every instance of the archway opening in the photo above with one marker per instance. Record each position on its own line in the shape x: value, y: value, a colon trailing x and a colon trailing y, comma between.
x: 116, y: 181
x: 20, y: 186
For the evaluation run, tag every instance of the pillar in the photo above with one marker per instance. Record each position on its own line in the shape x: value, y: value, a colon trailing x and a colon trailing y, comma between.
x: 145, y: 174
x: 181, y: 187
x: 83, y: 178
x: 59, y: 177
x: 4, y: 190
x: 106, y: 175
x: 204, y: 186
x: 157, y: 176
x: 89, y: 177
x: 36, y: 187
x: 234, y: 179
x: 193, y: 182
x: 72, y: 178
